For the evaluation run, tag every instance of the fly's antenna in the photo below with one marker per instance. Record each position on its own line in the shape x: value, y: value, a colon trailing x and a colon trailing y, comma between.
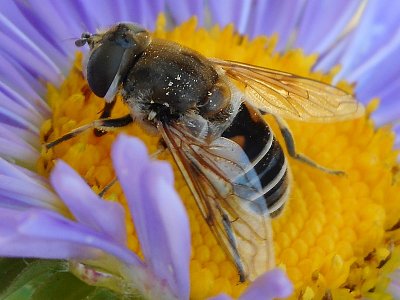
x: 83, y: 40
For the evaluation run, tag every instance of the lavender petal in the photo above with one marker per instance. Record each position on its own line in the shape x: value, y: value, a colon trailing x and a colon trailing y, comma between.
x: 264, y: 20
x: 89, y: 209
x: 20, y: 85
x: 331, y: 17
x: 31, y: 193
x: 377, y: 28
x: 20, y: 135
x: 159, y: 216
x: 46, y: 234
x: 220, y: 297
x: 186, y: 9
x: 271, y: 285
x: 225, y: 12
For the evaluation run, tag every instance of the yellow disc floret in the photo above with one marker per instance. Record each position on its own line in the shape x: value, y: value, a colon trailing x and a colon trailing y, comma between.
x: 338, y: 235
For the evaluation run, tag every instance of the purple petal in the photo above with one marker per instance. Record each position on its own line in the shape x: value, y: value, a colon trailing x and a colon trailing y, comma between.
x: 19, y: 151
x: 13, y: 170
x: 31, y: 116
x: 46, y: 234
x: 22, y: 41
x: 378, y: 28
x: 394, y: 285
x: 51, y: 23
x: 22, y: 87
x: 29, y: 193
x: 21, y: 188
x: 220, y: 297
x: 143, y: 12
x: 331, y: 17
x: 269, y: 17
x: 271, y: 285
x: 15, y: 242
x: 104, y: 216
x: 383, y: 82
x: 331, y: 57
x: 20, y: 135
x: 186, y: 9
x: 225, y: 12
x: 159, y: 215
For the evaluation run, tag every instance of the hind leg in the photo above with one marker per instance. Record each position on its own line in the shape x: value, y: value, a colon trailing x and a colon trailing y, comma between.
x: 291, y: 148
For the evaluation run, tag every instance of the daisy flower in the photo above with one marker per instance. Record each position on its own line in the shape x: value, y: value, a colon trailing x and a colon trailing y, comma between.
x: 338, y: 236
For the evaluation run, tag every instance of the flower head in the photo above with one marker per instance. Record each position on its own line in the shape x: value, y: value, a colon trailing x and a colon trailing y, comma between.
x: 320, y: 239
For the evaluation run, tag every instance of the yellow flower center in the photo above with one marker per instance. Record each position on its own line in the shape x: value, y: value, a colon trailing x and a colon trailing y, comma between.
x: 333, y: 238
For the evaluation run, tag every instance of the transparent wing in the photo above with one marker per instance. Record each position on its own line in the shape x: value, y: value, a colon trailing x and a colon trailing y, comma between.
x: 240, y: 223
x: 291, y: 96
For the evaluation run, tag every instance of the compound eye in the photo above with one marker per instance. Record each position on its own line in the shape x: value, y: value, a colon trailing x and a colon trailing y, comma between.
x: 125, y: 41
x: 103, y: 66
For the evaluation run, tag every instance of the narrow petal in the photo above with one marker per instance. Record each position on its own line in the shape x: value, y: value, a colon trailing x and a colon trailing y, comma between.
x: 331, y: 17
x: 370, y: 85
x: 159, y: 216
x: 19, y: 151
x: 14, y: 107
x: 89, y: 209
x: 378, y: 27
x: 20, y: 134
x: 237, y: 12
x: 13, y: 170
x: 32, y: 194
x: 264, y: 20
x: 45, y: 234
x: 271, y: 285
x: 186, y: 10
x: 26, y: 50
x: 21, y: 86
x: 220, y: 297
x: 170, y: 246
x: 21, y: 188
x: 141, y: 11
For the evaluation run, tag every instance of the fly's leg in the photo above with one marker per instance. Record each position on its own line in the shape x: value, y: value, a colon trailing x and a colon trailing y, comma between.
x: 290, y: 146
x: 101, y: 124
x: 106, y: 113
x: 107, y: 187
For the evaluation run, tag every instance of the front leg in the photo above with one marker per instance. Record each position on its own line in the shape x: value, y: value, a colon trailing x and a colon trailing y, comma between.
x: 101, y: 125
x: 106, y: 113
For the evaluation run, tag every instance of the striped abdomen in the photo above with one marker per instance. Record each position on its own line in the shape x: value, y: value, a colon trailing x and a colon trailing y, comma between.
x: 265, y: 155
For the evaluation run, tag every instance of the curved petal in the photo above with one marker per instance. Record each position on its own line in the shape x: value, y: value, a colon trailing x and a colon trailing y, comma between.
x: 186, y: 10
x: 237, y: 12
x: 264, y: 20
x: 20, y: 188
x: 378, y: 28
x: 331, y: 16
x: 89, y: 209
x: 50, y: 235
x: 159, y: 215
x: 271, y: 285
x: 220, y: 297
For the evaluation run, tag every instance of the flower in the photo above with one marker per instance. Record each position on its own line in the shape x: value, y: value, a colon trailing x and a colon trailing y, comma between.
x: 90, y: 232
x: 320, y: 239
x: 88, y: 228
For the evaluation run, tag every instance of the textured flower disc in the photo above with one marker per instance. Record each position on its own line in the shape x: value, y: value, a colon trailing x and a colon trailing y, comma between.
x: 333, y: 237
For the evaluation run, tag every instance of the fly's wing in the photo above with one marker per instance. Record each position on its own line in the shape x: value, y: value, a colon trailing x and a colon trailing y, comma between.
x: 291, y: 96
x: 227, y: 197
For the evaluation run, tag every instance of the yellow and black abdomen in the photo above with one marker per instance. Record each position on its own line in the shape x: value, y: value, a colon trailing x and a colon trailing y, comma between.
x: 267, y: 173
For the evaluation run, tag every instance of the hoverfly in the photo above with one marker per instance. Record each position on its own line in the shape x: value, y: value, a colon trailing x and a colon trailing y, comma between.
x: 233, y: 165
